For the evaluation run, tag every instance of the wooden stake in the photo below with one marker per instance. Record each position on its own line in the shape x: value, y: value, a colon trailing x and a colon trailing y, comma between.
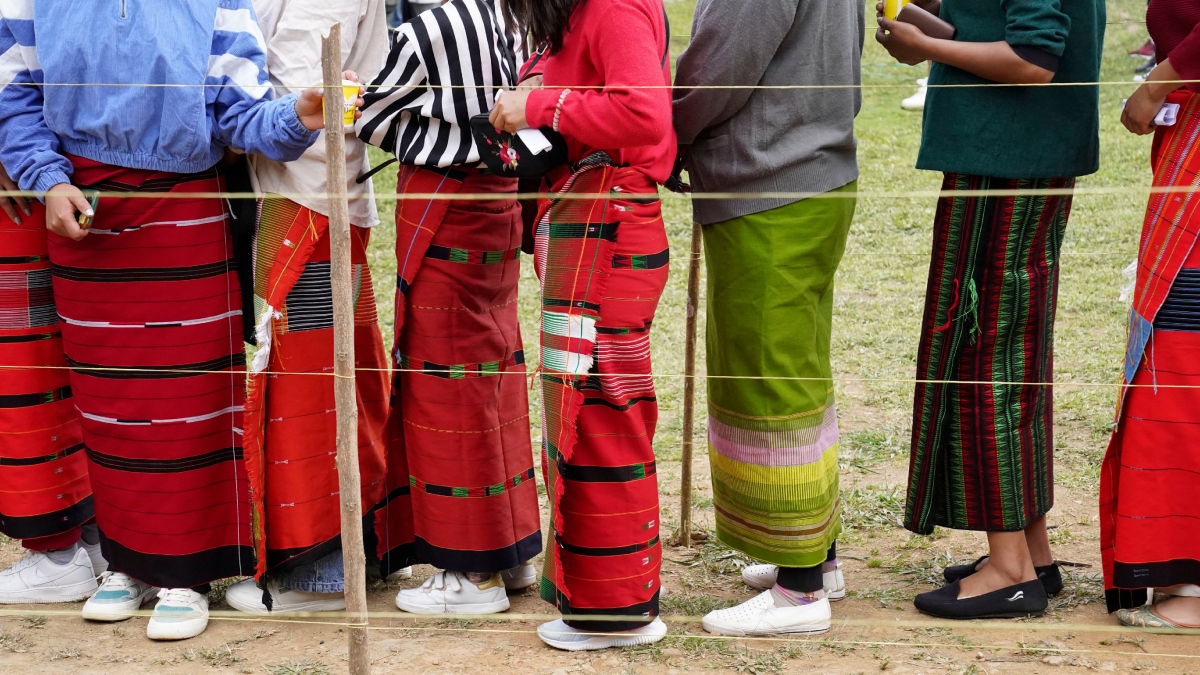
x: 689, y: 388
x: 353, y: 556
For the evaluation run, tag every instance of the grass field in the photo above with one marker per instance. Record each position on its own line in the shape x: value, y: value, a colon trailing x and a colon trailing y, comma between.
x: 880, y: 291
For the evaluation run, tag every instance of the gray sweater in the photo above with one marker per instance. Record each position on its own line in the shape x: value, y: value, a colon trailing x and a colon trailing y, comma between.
x: 769, y: 140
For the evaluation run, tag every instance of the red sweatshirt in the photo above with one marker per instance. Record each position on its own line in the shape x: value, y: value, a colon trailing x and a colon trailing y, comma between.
x: 1175, y: 27
x: 611, y: 43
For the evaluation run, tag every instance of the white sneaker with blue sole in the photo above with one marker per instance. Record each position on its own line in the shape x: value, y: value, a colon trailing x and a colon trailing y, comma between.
x: 119, y: 597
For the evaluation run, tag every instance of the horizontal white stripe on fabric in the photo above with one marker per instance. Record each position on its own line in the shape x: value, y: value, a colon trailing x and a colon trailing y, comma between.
x: 569, y: 325
x: 241, y: 72
x: 19, y: 10
x: 775, y: 448
x: 164, y: 223
x: 151, y: 324
x: 240, y: 21
x: 12, y: 63
x: 559, y: 361
x: 145, y: 423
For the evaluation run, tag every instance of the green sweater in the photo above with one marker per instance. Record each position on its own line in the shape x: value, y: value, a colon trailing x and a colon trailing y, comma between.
x: 1019, y: 131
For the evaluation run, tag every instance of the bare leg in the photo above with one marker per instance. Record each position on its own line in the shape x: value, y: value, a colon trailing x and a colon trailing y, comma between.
x: 1008, y: 564
x: 1039, y: 543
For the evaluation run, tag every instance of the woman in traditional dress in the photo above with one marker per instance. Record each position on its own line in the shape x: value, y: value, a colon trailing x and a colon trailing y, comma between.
x: 1148, y: 484
x: 290, y: 418
x: 45, y: 496
x: 772, y: 418
x: 982, y: 450
x: 148, y: 296
x: 460, y: 493
x: 601, y: 256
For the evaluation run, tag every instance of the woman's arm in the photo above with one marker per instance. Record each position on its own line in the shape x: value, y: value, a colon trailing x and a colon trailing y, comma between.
x: 1143, y: 106
x: 401, y: 86
x: 996, y: 61
x: 630, y: 110
x: 27, y: 144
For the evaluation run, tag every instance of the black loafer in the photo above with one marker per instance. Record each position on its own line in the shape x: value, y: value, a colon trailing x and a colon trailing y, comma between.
x: 1024, y: 599
x: 1050, y: 575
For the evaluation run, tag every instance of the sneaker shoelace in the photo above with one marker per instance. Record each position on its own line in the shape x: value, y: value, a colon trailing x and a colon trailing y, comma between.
x: 115, y: 581
x: 29, y: 560
x: 178, y: 597
x: 441, y: 581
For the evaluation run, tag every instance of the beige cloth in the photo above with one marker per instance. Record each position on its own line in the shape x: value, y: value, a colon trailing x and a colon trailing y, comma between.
x: 292, y: 31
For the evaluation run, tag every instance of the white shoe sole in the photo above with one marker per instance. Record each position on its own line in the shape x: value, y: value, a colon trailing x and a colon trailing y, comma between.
x: 55, y: 594
x: 181, y: 630
x: 834, y: 596
x: 279, y: 610
x: 520, y: 583
x: 804, y: 629
x: 608, y: 641
x: 475, y: 608
x: 112, y: 614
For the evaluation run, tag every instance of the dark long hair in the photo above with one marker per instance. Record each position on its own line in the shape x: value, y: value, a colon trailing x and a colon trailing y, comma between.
x: 546, y: 20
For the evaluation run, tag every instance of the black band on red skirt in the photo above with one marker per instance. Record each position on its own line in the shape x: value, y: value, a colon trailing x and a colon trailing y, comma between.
x: 31, y: 527
x: 645, y: 612
x: 170, y: 571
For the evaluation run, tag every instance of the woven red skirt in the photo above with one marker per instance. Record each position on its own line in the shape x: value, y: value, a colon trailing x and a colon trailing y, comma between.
x: 461, y: 490
x: 152, y: 330
x: 291, y: 421
x: 44, y: 491
x: 602, y: 262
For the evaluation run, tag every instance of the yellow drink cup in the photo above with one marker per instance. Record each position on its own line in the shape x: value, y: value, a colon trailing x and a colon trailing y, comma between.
x: 350, y: 94
x: 892, y: 7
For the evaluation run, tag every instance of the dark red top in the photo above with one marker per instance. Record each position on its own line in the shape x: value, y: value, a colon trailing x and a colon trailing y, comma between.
x: 1174, y: 26
x: 611, y: 43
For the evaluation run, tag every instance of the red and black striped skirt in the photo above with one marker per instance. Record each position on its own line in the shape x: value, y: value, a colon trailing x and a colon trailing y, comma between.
x: 44, y: 491
x: 152, y: 329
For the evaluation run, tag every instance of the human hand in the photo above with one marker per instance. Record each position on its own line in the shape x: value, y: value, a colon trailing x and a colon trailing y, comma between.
x: 63, y: 202
x: 904, y: 41
x: 534, y: 82
x: 309, y: 106
x: 11, y: 204
x: 934, y: 7
x: 1141, y: 109
x: 509, y: 112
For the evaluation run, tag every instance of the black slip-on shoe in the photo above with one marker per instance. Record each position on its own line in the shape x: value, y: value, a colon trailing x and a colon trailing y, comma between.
x: 1050, y: 575
x: 1024, y: 599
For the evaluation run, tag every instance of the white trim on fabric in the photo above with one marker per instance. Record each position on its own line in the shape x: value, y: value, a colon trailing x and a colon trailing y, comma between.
x: 151, y: 324
x: 241, y: 71
x: 146, y: 423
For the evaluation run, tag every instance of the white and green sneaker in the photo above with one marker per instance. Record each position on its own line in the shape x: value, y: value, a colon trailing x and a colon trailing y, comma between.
x: 118, y: 598
x: 181, y: 613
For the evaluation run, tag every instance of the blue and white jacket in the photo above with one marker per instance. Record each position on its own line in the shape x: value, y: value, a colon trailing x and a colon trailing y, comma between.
x: 174, y: 125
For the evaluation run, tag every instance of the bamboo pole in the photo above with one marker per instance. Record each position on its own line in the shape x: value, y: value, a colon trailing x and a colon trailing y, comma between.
x: 689, y: 388
x: 353, y: 556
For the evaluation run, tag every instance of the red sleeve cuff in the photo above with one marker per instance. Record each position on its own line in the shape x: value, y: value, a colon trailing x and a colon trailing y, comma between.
x: 1185, y: 57
x: 539, y: 107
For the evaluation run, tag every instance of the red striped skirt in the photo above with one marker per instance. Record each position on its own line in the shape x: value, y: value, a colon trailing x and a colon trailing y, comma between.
x: 291, y: 422
x: 461, y: 491
x: 1151, y: 472
x: 603, y: 266
x: 44, y: 491
x: 152, y: 329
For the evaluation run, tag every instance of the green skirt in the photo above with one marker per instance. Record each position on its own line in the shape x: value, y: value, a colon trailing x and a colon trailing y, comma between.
x: 773, y: 442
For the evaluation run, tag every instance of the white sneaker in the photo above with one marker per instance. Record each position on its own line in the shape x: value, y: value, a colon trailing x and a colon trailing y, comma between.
x: 917, y: 100
x: 181, y: 613
x: 99, y: 564
x: 247, y: 597
x: 119, y: 597
x: 762, y: 577
x: 559, y: 635
x: 520, y: 577
x: 38, y: 579
x: 401, y: 574
x: 453, y: 593
x: 760, y: 616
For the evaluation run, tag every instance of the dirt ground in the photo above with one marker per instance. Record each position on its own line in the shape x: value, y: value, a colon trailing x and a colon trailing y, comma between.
x: 875, y: 628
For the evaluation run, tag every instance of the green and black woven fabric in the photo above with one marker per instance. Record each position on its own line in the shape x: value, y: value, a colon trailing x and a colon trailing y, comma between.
x: 982, y: 454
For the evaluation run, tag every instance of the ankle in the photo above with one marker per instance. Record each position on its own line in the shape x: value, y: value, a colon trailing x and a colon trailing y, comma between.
x: 478, y: 578
x: 787, y: 598
x: 829, y: 566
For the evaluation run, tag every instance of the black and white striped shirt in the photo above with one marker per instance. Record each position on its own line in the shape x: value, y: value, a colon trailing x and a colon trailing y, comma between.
x: 462, y: 46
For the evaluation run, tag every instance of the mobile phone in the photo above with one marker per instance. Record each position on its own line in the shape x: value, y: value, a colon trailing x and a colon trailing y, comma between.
x: 93, y: 197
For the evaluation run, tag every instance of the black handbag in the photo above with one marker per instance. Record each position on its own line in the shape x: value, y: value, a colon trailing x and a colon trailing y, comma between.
x: 507, y: 155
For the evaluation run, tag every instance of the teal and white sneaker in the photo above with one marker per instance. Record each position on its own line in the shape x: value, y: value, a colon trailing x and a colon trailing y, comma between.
x: 181, y: 613
x: 118, y: 598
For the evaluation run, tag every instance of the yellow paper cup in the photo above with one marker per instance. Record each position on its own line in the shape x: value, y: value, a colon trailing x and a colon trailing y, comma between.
x: 350, y: 93
x: 891, y: 8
